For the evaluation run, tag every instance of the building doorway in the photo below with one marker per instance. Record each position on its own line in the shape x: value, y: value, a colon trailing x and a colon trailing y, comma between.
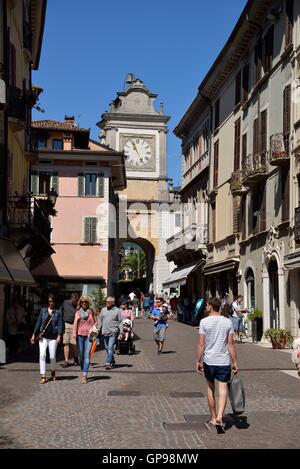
x: 274, y: 294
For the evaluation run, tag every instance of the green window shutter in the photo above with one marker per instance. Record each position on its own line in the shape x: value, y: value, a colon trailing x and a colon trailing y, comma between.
x: 93, y: 230
x: 81, y: 184
x: 86, y: 234
x: 100, y: 185
x: 54, y: 181
x: 34, y: 182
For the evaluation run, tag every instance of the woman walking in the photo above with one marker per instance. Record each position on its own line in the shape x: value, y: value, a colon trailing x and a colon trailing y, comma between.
x: 84, y: 321
x: 50, y: 324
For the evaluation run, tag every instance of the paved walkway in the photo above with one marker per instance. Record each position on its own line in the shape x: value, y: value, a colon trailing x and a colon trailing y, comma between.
x: 148, y: 401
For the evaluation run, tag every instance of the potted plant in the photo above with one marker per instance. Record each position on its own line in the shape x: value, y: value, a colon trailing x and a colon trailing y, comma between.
x: 257, y: 324
x: 278, y: 337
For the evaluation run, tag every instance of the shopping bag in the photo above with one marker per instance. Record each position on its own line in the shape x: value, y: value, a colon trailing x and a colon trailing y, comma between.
x: 236, y: 394
x: 93, y: 348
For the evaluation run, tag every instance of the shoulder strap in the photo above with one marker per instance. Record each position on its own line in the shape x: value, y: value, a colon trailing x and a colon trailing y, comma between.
x: 44, y: 328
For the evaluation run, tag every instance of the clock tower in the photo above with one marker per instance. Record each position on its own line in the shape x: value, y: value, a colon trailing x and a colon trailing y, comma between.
x: 133, y: 126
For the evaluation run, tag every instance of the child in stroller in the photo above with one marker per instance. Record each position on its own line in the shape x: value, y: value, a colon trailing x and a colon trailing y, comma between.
x: 125, y: 338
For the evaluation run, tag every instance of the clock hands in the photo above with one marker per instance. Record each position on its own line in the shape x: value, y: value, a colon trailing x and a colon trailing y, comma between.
x: 135, y: 147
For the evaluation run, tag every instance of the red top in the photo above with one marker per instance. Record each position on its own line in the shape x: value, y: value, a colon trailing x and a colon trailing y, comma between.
x: 84, y: 325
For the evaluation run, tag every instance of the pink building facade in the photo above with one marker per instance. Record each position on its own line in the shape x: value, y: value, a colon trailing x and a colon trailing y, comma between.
x: 85, y: 175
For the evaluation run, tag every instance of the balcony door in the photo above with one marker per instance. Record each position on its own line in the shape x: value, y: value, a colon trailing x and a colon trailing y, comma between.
x: 274, y: 294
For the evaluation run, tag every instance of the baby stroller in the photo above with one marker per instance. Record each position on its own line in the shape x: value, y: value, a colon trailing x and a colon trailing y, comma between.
x: 125, y: 340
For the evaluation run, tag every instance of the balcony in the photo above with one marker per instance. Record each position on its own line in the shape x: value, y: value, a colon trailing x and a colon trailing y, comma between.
x: 255, y: 168
x: 30, y: 227
x: 16, y: 108
x: 279, y: 149
x: 236, y: 183
x: 193, y: 237
x: 196, y: 168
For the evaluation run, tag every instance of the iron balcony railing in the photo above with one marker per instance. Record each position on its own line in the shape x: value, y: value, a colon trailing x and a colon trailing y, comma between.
x: 25, y: 214
x: 16, y: 104
x: 255, y: 164
x: 279, y: 147
x: 236, y: 182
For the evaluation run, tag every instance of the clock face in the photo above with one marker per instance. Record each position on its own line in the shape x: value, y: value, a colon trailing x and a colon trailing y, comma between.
x: 138, y: 152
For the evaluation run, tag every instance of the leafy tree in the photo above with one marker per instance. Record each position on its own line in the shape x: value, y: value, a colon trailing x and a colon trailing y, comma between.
x: 98, y: 297
x: 135, y: 262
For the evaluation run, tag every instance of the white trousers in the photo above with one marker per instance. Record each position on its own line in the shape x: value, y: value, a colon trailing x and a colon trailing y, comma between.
x: 43, y: 344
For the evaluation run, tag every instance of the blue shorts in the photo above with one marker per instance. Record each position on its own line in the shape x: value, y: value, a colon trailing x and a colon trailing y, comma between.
x: 236, y: 323
x: 220, y: 373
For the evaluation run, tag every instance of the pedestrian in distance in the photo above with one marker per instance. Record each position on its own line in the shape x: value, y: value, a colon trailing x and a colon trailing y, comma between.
x: 83, y: 323
x: 50, y: 324
x: 236, y: 312
x: 160, y: 315
x: 68, y: 309
x: 110, y: 324
x: 216, y: 356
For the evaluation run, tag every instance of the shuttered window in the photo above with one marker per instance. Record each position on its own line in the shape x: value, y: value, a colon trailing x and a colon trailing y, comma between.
x: 255, y: 136
x: 289, y: 19
x: 238, y: 82
x: 243, y: 217
x: 286, y: 116
x: 213, y: 222
x: 263, y: 131
x: 258, y: 209
x: 235, y: 214
x: 90, y: 230
x: 217, y: 114
x: 90, y: 184
x: 237, y: 144
x: 245, y: 82
x: 216, y: 164
x: 34, y: 181
x: 41, y: 182
x: 257, y: 62
x: 285, y: 192
x: 244, y: 148
x: 268, y: 43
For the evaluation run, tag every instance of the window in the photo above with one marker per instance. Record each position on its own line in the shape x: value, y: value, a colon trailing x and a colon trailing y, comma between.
x: 244, y: 148
x: 42, y: 182
x: 217, y: 113
x: 258, y: 209
x: 216, y: 164
x: 177, y: 220
x: 237, y: 144
x: 257, y: 62
x: 245, y: 82
x: 57, y: 144
x: 287, y: 118
x: 285, y: 206
x: 90, y: 184
x: 268, y: 47
x: 289, y: 19
x: 41, y: 142
x: 255, y: 136
x: 213, y: 222
x: 90, y: 230
x: 250, y: 282
x: 238, y: 80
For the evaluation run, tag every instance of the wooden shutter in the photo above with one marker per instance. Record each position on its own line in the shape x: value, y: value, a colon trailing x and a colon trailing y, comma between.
x: 245, y: 82
x: 269, y: 40
x: 54, y: 181
x: 216, y: 163
x: 101, y: 185
x: 238, y: 81
x: 257, y: 61
x: 285, y: 192
x: 86, y: 230
x: 263, y: 135
x: 244, y: 148
x: 237, y: 144
x: 235, y: 214
x: 81, y: 184
x: 34, y: 182
x: 93, y: 230
x: 289, y: 19
x: 242, y: 218
x: 213, y: 222
x: 255, y: 136
x: 263, y: 208
x: 287, y: 110
x: 217, y: 113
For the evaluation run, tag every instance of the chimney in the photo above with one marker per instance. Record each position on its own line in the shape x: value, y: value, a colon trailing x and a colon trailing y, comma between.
x: 70, y: 119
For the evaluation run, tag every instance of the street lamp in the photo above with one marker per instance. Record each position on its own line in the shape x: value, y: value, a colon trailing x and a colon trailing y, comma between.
x: 52, y: 196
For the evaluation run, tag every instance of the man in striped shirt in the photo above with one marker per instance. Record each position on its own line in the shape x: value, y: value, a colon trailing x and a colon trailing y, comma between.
x: 216, y: 347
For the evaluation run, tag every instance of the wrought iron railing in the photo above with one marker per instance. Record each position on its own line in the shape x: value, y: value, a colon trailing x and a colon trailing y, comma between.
x: 236, y: 181
x: 255, y: 163
x: 279, y: 146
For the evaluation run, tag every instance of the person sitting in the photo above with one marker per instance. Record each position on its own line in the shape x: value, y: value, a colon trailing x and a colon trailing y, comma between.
x: 127, y: 330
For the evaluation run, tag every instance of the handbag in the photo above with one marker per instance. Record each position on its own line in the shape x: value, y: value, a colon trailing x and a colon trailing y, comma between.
x: 40, y: 335
x: 93, y: 333
x: 236, y: 394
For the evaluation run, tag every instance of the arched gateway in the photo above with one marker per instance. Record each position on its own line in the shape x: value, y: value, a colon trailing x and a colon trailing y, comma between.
x: 134, y: 126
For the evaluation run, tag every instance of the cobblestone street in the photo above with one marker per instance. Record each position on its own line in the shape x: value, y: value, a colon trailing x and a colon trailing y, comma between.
x: 165, y: 406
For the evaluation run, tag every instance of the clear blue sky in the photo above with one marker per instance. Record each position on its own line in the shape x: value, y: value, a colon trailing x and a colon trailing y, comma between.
x: 90, y: 46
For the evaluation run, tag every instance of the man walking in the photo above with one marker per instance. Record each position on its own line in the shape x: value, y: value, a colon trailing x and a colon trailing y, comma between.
x: 110, y: 324
x: 68, y: 310
x: 216, y: 347
x: 160, y: 314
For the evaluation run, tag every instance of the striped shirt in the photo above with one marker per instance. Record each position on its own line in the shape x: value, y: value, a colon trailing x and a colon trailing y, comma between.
x: 216, y: 330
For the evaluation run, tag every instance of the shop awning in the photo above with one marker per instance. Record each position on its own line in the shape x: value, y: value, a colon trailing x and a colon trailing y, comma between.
x: 217, y: 267
x: 179, y: 276
x: 292, y: 261
x: 14, y: 264
x: 4, y: 274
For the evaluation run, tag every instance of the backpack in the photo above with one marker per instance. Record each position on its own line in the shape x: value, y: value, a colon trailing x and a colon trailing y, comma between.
x: 231, y: 309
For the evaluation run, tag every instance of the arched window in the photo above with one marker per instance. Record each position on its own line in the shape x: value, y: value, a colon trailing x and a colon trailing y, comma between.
x: 250, y: 283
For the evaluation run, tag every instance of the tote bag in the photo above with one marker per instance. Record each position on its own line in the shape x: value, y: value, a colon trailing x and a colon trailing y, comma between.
x: 236, y: 394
